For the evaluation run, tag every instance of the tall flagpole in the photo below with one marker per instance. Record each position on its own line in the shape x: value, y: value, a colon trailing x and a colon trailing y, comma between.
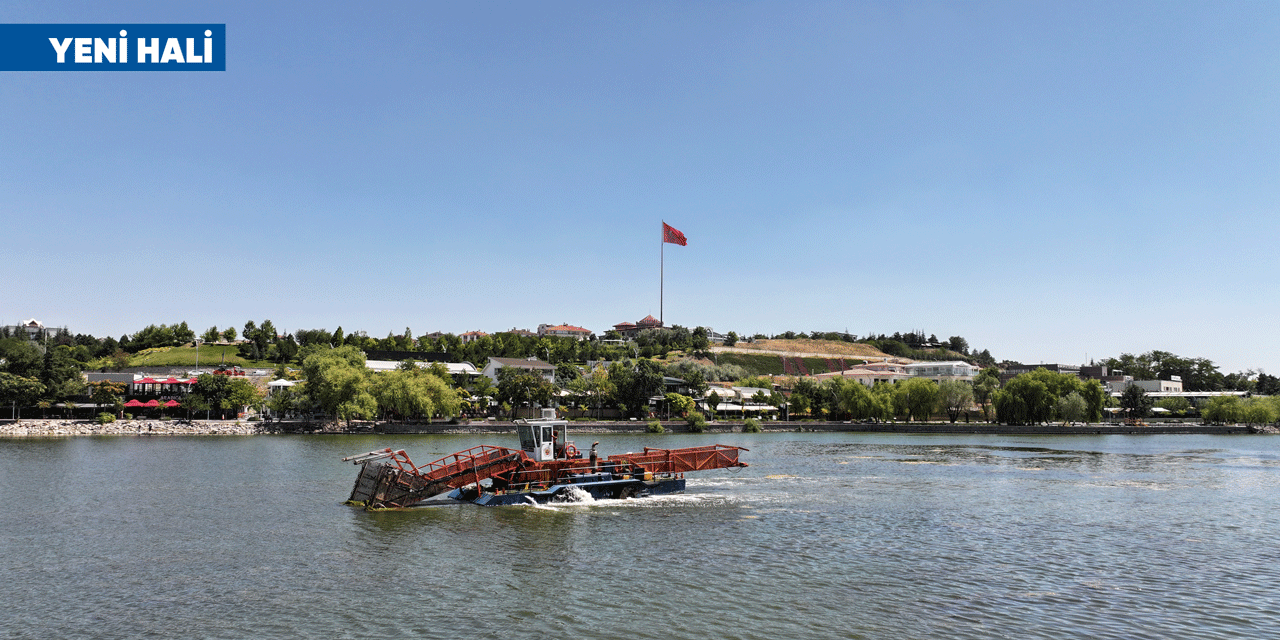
x: 662, y: 266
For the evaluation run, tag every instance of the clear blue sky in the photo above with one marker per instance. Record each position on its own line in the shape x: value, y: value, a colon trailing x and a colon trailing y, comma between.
x: 1051, y: 180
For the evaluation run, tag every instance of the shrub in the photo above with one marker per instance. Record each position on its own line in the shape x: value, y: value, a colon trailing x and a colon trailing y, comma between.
x: 106, y: 418
x: 127, y: 416
x: 697, y: 423
x: 655, y: 427
x: 751, y: 425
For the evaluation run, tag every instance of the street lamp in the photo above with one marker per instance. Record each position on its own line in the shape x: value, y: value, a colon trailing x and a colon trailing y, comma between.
x: 198, y: 341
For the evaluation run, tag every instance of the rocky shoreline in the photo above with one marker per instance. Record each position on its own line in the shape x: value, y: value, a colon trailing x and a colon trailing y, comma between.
x: 62, y: 428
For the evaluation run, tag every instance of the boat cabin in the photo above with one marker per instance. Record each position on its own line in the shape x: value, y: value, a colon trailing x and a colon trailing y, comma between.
x: 546, y: 439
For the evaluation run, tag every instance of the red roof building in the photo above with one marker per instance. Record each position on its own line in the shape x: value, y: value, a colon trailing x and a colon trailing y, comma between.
x: 629, y: 330
x: 472, y: 336
x: 564, y: 331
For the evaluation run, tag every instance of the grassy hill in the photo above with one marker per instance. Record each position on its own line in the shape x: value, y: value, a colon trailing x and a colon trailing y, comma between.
x: 834, y: 348
x: 772, y: 363
x: 210, y: 356
x: 766, y: 357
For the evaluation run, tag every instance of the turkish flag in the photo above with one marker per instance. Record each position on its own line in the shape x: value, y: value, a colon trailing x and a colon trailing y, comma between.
x: 673, y: 235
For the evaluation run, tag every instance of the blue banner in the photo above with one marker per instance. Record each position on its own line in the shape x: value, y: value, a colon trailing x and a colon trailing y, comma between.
x: 113, y: 47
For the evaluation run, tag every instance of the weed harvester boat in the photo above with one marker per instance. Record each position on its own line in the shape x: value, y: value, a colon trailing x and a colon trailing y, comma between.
x: 546, y: 468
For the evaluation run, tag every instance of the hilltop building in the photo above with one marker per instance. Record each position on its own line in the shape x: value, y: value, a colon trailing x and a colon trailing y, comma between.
x: 564, y: 331
x: 630, y: 331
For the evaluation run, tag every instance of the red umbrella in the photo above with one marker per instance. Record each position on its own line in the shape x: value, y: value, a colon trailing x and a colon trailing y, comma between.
x: 172, y: 403
x: 151, y: 403
x: 145, y: 381
x: 133, y: 403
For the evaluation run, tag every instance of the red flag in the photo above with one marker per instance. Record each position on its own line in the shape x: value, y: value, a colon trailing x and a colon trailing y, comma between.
x: 673, y: 235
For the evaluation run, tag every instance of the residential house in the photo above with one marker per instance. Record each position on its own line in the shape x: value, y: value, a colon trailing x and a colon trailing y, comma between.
x: 564, y: 331
x: 546, y: 370
x: 630, y: 331
x: 471, y: 336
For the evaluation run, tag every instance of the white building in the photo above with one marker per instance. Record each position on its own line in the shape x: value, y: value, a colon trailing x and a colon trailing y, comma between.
x: 546, y: 370
x: 939, y: 371
x: 1159, y: 386
x: 564, y: 331
x: 869, y: 375
x: 455, y: 368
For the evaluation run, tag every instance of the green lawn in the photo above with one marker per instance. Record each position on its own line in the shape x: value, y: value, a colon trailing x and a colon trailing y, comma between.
x: 210, y: 356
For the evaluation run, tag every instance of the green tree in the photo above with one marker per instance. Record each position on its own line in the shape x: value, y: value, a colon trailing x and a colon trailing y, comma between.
x: 483, y: 387
x: 182, y: 334
x: 680, y: 405
x: 1024, y: 400
x: 106, y: 393
x: 242, y: 394
x: 916, y: 397
x: 1268, y: 385
x: 415, y: 393
x: 1223, y: 409
x: 57, y: 367
x: 857, y: 401
x: 1095, y: 397
x: 1136, y: 401
x: 20, y: 357
x: 19, y: 392
x: 518, y: 387
x: 730, y: 339
x: 337, y: 381
x: 210, y: 335
x: 699, y: 340
x: 696, y: 381
x: 594, y: 388
x: 634, y: 383
x: 954, y: 397
x: 286, y: 348
x: 566, y: 373
x: 756, y: 382
x: 1259, y: 411
x: 214, y: 390
x: 800, y: 404
x: 985, y: 387
x: 229, y: 334
x: 1176, y: 405
x: 283, y: 401
x: 713, y: 402
x: 1071, y: 408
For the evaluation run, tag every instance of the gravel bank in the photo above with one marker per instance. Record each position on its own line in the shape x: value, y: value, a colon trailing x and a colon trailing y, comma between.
x: 56, y: 428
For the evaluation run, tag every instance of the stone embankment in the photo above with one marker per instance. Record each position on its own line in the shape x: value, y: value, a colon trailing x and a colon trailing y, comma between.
x: 58, y: 428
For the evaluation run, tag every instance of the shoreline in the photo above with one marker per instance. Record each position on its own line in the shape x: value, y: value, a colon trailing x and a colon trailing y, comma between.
x: 45, y: 428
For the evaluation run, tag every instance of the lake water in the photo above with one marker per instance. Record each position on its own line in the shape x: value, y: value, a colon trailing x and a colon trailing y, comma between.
x: 824, y: 536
